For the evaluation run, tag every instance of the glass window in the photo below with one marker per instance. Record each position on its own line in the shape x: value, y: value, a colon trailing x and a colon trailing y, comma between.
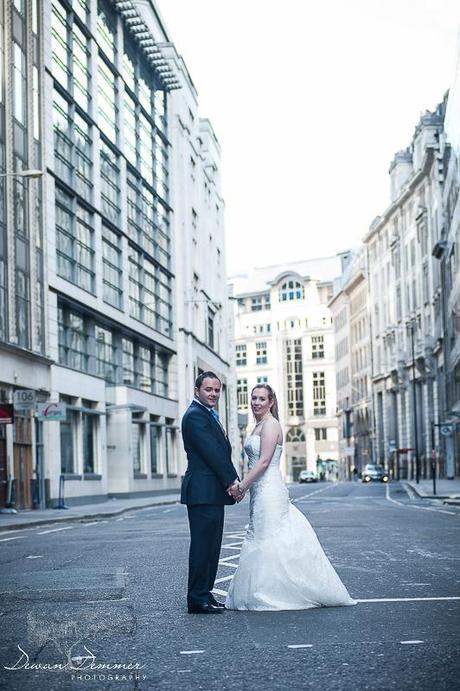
x: 60, y: 44
x: 155, y: 433
x: 319, y: 393
x: 294, y: 376
x: 320, y: 433
x: 107, y: 109
x: 110, y: 184
x: 291, y: 290
x: 67, y: 435
x: 106, y: 31
x: 74, y: 241
x: 150, y: 293
x: 105, y: 354
x: 241, y: 356
x: 88, y: 431
x: 161, y: 373
x: 242, y: 394
x: 317, y: 347
x: 261, y: 353
x: 80, y: 65
x: 111, y: 262
x: 295, y: 434
x: 73, y: 339
x: 128, y: 362
x: 145, y: 369
x: 210, y: 327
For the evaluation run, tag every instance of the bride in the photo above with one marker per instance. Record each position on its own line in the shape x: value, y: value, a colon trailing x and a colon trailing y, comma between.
x: 282, y: 564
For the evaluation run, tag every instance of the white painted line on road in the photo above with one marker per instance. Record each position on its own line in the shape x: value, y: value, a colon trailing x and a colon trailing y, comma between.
x: 226, y: 563
x: 229, y: 558
x: 310, y: 494
x: 55, y: 530
x: 17, y: 537
x: 407, y: 599
x: 191, y: 652
x: 301, y: 645
x: 222, y: 580
x: 421, y: 508
x: 220, y: 592
x: 35, y: 556
x: 167, y: 510
x: 237, y: 549
x: 119, y: 519
x: 411, y: 642
x: 87, y: 525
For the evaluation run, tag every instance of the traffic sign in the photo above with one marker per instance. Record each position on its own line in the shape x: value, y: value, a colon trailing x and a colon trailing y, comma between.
x: 25, y: 399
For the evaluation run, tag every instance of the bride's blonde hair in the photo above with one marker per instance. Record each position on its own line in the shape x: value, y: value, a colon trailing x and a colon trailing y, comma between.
x: 271, y: 397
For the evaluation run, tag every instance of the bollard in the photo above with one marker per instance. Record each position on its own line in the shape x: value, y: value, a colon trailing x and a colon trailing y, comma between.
x: 61, y: 504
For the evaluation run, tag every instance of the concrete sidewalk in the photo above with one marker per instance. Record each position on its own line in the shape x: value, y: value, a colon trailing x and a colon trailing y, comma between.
x: 111, y: 507
x: 448, y: 490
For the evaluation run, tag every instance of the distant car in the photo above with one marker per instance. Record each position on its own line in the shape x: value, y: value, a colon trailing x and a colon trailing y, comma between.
x: 374, y: 473
x: 307, y: 476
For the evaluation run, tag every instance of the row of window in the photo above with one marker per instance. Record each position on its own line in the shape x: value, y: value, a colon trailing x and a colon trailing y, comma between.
x: 90, y: 347
x: 317, y: 351
x: 153, y: 445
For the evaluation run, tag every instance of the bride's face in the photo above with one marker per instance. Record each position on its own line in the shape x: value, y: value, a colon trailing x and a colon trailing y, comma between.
x: 260, y: 402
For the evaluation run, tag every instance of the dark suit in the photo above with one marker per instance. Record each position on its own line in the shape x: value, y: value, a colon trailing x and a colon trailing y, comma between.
x: 209, y: 473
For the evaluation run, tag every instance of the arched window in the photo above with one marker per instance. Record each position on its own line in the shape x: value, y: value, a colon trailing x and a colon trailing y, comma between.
x: 292, y: 290
x: 295, y: 434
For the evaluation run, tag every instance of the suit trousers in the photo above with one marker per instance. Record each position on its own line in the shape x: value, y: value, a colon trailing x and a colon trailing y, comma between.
x: 206, y: 527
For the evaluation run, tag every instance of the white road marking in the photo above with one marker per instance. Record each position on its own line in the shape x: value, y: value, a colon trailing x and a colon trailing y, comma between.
x: 35, y: 556
x: 16, y: 537
x: 87, y: 525
x: 220, y: 592
x: 410, y: 642
x: 407, y: 599
x: 229, y: 558
x: 191, y: 652
x: 119, y: 519
x: 235, y: 566
x: 310, y: 494
x: 422, y: 508
x: 222, y: 580
x: 55, y: 530
x: 301, y: 645
x: 167, y: 510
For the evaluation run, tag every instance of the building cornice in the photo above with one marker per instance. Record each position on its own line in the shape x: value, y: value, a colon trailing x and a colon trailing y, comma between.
x: 406, y: 192
x: 27, y: 354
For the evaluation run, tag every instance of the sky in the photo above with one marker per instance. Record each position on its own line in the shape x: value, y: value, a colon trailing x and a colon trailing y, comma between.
x: 310, y: 100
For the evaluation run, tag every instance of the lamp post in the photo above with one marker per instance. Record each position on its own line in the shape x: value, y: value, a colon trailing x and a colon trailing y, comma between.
x: 414, y: 401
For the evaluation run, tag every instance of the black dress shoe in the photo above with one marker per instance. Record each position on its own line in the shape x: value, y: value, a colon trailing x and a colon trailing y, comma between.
x: 212, y: 601
x: 205, y: 608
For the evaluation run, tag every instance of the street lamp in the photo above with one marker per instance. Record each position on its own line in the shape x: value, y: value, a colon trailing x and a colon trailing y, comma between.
x: 23, y: 174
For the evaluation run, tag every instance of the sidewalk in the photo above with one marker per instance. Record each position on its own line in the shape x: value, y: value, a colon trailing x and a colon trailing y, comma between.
x: 111, y: 507
x: 449, y: 490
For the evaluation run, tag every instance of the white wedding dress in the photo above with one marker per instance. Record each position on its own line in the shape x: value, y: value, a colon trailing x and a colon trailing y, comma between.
x: 282, y: 564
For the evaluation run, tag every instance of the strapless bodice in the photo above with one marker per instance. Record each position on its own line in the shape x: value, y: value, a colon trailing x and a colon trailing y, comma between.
x: 252, y: 448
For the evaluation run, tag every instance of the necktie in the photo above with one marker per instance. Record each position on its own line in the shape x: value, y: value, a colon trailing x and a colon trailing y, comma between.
x: 215, y: 415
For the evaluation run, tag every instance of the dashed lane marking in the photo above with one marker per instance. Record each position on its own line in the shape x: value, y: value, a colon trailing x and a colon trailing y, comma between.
x: 35, y: 556
x: 301, y: 645
x: 55, y: 530
x: 87, y: 525
x: 191, y: 652
x: 411, y: 642
x: 310, y: 494
x: 226, y: 563
x: 16, y: 537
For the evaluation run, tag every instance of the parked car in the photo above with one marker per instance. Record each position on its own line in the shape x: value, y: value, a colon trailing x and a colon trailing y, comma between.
x: 374, y: 473
x: 308, y: 476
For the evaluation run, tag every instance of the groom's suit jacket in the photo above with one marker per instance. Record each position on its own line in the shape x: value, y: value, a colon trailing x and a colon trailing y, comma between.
x: 209, y: 453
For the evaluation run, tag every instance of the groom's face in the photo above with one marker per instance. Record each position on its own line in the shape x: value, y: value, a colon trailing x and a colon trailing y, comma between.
x: 209, y: 392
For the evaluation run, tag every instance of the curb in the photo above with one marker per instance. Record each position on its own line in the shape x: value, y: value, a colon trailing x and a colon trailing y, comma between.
x: 407, y: 484
x: 74, y: 519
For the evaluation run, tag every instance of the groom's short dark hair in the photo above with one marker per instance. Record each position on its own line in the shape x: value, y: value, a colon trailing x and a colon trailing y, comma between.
x: 205, y: 375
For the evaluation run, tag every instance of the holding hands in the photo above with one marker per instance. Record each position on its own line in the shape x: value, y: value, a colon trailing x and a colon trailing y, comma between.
x: 237, y: 491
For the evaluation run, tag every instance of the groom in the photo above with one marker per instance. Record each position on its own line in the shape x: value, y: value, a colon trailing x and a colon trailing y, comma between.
x: 210, y: 482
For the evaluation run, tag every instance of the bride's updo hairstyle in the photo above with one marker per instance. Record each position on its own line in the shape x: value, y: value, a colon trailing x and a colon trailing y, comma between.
x: 271, y: 397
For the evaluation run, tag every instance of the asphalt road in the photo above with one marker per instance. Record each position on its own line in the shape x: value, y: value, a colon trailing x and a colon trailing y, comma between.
x: 112, y: 593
